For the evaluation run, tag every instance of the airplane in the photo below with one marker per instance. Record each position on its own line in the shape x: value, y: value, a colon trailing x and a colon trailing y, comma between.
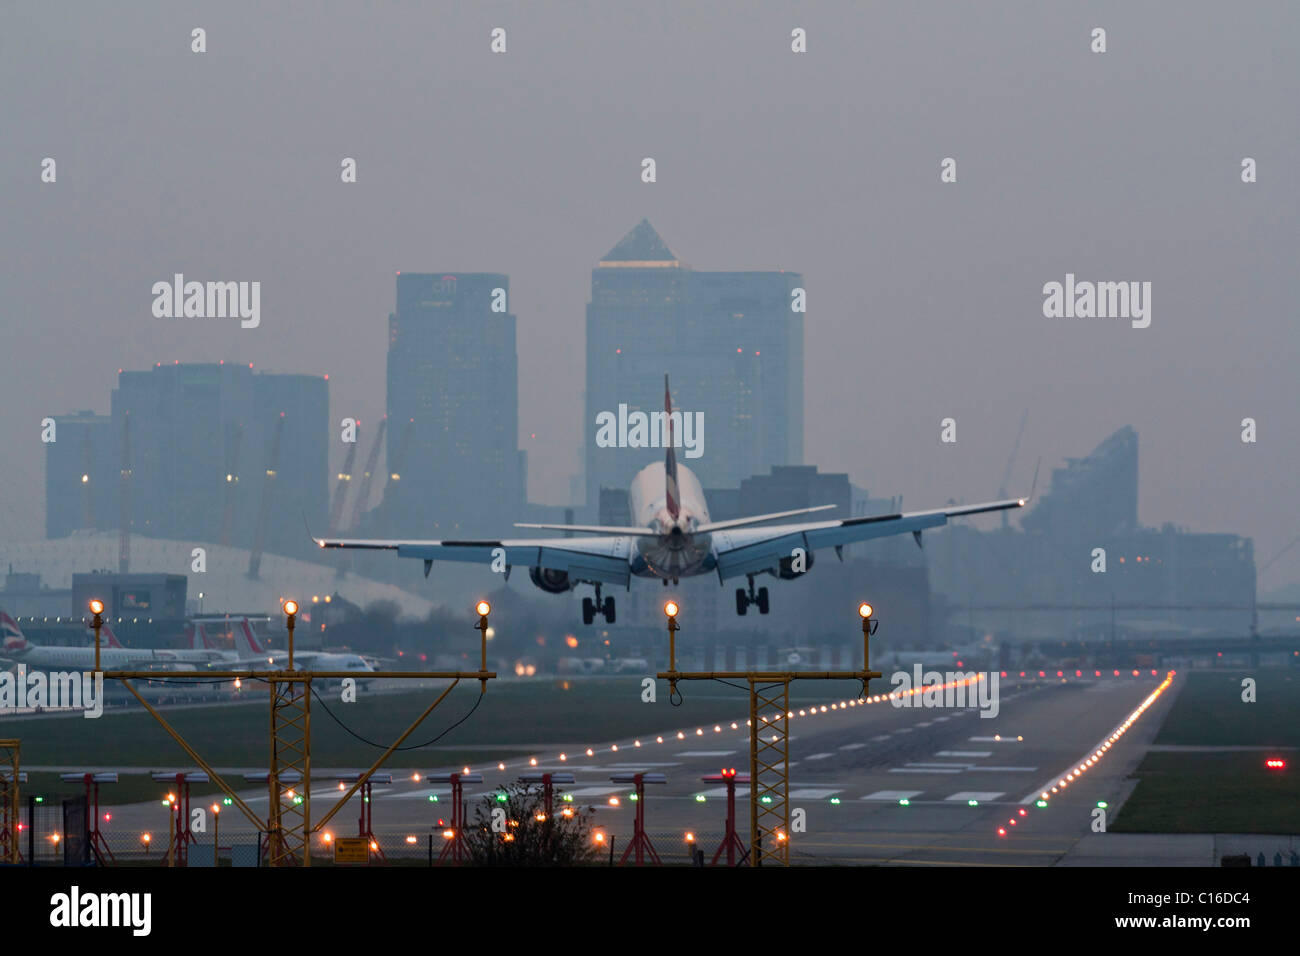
x: 674, y: 539
x: 315, y: 660
x: 112, y: 655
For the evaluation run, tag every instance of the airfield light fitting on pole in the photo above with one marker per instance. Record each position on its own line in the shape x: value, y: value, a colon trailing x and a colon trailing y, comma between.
x: 290, y: 608
x: 671, y: 609
x: 97, y: 622
x: 864, y: 610
x: 483, y: 609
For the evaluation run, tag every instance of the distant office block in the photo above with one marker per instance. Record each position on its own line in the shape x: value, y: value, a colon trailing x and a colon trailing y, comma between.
x: 453, y: 373
x: 201, y: 441
x: 80, y: 475
x: 731, y: 342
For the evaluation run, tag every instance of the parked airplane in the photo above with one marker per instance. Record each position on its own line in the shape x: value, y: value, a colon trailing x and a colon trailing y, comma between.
x: 112, y: 655
x: 674, y: 539
x: 253, y: 654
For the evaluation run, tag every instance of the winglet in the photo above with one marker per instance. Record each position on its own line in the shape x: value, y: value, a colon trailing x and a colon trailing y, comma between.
x: 317, y: 541
x: 1035, y: 484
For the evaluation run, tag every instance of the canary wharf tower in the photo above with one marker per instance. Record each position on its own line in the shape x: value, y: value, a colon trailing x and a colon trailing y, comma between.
x: 731, y: 343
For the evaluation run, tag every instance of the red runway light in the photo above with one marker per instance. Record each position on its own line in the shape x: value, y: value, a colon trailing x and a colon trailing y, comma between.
x: 1274, y: 764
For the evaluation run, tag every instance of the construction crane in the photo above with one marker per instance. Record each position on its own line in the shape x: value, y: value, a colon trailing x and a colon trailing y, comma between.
x: 1006, y: 475
x: 124, y: 495
x: 394, y: 476
x: 234, y: 434
x: 341, y: 487
x: 264, y: 512
x: 363, y: 494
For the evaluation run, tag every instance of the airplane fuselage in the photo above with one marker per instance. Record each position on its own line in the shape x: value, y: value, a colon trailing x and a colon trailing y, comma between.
x: 672, y: 548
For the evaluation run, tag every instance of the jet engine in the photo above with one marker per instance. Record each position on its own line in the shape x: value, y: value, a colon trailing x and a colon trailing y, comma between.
x: 550, y: 580
x: 786, y: 572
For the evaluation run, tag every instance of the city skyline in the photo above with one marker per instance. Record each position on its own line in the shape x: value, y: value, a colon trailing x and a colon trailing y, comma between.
x: 532, y: 169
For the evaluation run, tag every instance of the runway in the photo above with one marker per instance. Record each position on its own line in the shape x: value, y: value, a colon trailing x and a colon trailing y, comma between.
x: 878, y: 784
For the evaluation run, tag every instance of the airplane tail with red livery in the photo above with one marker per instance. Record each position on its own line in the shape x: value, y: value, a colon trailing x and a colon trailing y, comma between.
x: 13, y: 635
x: 672, y: 493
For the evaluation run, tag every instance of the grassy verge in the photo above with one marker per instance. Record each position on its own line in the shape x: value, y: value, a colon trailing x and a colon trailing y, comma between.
x: 1222, y: 791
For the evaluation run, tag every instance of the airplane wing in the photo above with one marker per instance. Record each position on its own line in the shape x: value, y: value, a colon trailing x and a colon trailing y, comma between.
x: 751, y: 550
x: 602, y: 558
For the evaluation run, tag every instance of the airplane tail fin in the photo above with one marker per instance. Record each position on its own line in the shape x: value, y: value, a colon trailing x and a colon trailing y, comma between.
x: 108, y: 636
x: 204, y: 642
x: 670, y: 461
x: 196, y: 637
x: 250, y: 642
x: 13, y: 635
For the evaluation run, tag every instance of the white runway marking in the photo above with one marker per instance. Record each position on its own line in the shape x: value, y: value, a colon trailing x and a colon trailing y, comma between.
x: 703, y: 753
x: 925, y: 723
x: 937, y: 763
x: 1006, y: 769
x: 939, y: 720
x: 813, y: 793
x: 893, y: 796
x: 420, y: 794
x: 595, y: 791
x: 818, y: 756
x: 856, y: 746
x: 922, y: 770
x: 983, y: 796
x: 964, y: 753
x: 722, y: 792
x: 881, y: 737
x: 903, y: 730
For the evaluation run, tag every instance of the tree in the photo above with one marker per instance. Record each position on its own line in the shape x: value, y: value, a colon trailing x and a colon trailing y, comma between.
x: 508, y: 832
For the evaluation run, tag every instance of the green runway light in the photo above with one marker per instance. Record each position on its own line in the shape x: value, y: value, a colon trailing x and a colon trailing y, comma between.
x: 767, y: 799
x: 699, y: 798
x: 433, y: 798
x: 40, y: 799
x: 835, y: 800
x: 227, y: 801
x: 1041, y: 803
x: 501, y: 798
x: 1103, y: 804
x: 568, y: 798
x: 905, y: 802
x: 631, y: 796
x: 972, y: 803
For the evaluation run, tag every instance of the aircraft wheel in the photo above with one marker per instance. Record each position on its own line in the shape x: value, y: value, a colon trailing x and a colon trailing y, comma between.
x: 588, y: 611
x: 762, y: 601
x: 609, y: 610
x: 741, y: 601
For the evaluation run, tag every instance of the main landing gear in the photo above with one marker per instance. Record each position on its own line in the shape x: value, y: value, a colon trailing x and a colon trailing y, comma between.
x: 745, y: 599
x: 591, y: 608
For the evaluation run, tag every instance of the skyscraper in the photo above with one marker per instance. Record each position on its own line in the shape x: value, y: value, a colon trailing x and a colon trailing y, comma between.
x: 731, y: 342
x: 201, y: 438
x: 453, y: 370
x: 80, y: 475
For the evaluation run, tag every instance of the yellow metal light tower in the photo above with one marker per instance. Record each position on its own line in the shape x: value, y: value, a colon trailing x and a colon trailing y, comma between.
x: 290, y: 827
x: 289, y: 820
x: 769, y: 735
x: 10, y: 778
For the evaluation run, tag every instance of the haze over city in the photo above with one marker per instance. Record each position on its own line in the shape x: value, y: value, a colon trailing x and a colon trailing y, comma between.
x: 924, y: 299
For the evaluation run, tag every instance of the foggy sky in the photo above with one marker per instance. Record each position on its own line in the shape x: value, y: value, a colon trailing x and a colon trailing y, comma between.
x: 925, y: 299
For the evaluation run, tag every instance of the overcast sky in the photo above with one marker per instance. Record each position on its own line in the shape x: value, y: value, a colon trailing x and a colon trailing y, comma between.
x: 925, y: 299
